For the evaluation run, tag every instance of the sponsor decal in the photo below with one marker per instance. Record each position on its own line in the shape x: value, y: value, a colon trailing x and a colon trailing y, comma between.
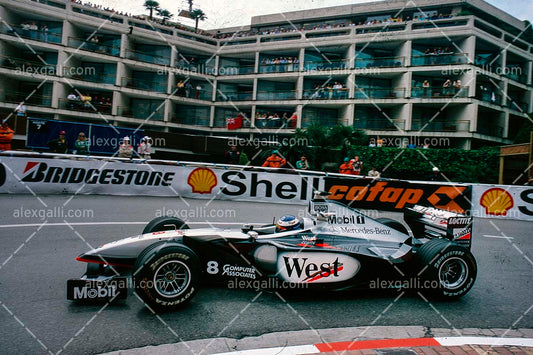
x: 496, y: 201
x: 396, y: 195
x: 239, y: 271
x: 97, y: 290
x: 202, y: 180
x: 320, y: 207
x: 353, y: 219
x: 44, y: 173
x: 238, y: 183
x: 316, y: 267
x: 525, y: 196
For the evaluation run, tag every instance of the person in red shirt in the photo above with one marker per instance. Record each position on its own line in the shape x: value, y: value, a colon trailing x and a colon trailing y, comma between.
x: 346, y: 167
x: 6, y: 136
x: 274, y: 161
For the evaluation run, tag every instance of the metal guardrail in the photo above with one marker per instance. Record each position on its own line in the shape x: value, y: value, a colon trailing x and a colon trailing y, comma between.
x: 92, y: 46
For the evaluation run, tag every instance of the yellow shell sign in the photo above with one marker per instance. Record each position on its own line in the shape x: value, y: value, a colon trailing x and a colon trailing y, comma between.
x: 496, y: 202
x: 202, y: 180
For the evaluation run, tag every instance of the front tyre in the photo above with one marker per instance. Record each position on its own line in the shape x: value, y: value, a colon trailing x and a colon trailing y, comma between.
x: 166, y: 277
x: 449, y: 270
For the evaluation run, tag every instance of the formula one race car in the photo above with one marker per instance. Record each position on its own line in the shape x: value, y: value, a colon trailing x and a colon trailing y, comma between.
x: 334, y: 247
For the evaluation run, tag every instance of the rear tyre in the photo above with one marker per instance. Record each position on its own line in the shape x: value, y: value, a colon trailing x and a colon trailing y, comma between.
x: 164, y: 224
x: 394, y: 225
x: 166, y: 277
x: 448, y: 270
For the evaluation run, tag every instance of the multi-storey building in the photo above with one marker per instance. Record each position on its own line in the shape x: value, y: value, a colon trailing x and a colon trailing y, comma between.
x: 382, y: 67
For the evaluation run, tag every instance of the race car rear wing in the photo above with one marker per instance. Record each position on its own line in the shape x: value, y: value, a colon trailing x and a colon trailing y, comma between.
x: 427, y: 222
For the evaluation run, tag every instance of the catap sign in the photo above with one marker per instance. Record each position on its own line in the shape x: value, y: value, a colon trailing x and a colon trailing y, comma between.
x: 395, y: 195
x: 503, y: 201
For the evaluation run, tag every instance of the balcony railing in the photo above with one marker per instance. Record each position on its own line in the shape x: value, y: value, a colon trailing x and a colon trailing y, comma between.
x: 33, y: 100
x: 154, y: 115
x: 86, y: 74
x: 494, y: 131
x: 25, y: 32
x: 193, y: 121
x: 514, y: 74
x: 235, y: 96
x: 338, y: 64
x: 383, y: 62
x: 325, y: 122
x: 436, y: 92
x: 86, y: 106
x: 27, y: 66
x: 193, y: 93
x: 276, y: 95
x: 279, y: 122
x: 147, y: 57
x: 236, y: 70
x: 143, y: 84
x: 88, y: 45
x: 380, y: 124
x: 490, y: 96
x: 279, y: 68
x: 326, y: 94
x: 517, y: 105
x: 193, y: 66
x: 439, y: 59
x: 379, y: 93
x: 440, y: 125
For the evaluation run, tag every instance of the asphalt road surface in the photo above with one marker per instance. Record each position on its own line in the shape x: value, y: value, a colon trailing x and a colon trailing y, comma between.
x: 41, y: 237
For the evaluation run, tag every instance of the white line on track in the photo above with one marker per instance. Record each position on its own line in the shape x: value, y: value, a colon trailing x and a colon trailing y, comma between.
x: 497, y: 236
x: 109, y: 223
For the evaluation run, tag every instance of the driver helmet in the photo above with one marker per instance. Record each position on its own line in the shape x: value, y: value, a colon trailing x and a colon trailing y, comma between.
x: 287, y: 223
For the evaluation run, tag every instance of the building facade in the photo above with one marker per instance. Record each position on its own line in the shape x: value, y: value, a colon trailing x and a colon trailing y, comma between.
x: 452, y: 69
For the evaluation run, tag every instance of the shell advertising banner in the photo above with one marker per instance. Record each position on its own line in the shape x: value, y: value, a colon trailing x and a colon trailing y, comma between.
x: 503, y: 201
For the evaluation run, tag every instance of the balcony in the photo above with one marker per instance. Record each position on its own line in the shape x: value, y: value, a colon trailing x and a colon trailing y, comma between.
x: 91, y: 46
x: 147, y: 57
x: 439, y: 59
x: 276, y: 95
x: 516, y: 75
x: 279, y: 68
x: 382, y: 62
x: 144, y: 110
x: 89, y: 74
x: 235, y: 96
x: 326, y: 94
x: 25, y: 31
x: 380, y: 124
x: 87, y: 106
x: 265, y: 122
x: 517, y: 105
x: 494, y: 131
x: 325, y: 122
x: 191, y: 121
x: 489, y: 96
x: 144, y: 84
x: 236, y: 70
x: 337, y: 64
x: 362, y: 93
x: 440, y: 125
x: 35, y: 99
x: 436, y: 92
x: 27, y: 66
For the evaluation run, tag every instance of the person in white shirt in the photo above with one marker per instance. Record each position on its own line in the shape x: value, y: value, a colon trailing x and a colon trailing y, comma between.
x: 374, y: 173
x: 21, y: 110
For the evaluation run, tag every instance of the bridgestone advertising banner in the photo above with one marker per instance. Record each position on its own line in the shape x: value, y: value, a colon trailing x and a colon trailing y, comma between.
x: 82, y: 176
x: 503, y: 201
x: 395, y: 195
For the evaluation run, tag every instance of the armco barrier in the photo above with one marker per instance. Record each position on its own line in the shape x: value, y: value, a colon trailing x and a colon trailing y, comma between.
x: 67, y: 174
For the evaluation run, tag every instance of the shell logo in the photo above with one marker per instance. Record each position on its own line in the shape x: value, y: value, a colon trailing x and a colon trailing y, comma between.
x: 202, y: 180
x: 496, y: 201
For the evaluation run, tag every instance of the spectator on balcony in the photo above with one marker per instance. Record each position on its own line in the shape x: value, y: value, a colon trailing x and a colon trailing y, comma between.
x: 6, y: 136
x: 180, y: 88
x: 292, y: 120
x: 81, y: 144
x: 59, y: 145
x: 446, y: 87
x: 198, y: 91
x: 233, y: 155
x: 72, y: 100
x: 302, y: 164
x: 21, y: 110
x: 144, y: 150
x: 426, y: 89
x: 274, y: 161
x: 346, y: 167
x: 357, y: 165
x: 86, y: 100
x: 125, y: 150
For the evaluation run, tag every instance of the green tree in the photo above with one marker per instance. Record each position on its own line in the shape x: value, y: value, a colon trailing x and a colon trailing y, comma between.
x: 198, y: 15
x: 164, y: 14
x: 151, y: 5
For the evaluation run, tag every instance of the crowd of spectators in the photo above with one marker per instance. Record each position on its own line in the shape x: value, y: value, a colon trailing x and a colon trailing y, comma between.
x: 280, y: 64
x: 329, y: 91
x: 86, y: 101
x: 274, y: 120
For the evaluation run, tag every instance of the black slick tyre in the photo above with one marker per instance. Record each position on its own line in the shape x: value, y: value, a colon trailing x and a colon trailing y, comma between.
x: 166, y: 276
x: 164, y: 223
x: 448, y: 270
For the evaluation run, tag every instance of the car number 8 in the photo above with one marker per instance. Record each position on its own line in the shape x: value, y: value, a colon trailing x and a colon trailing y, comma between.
x: 212, y: 267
